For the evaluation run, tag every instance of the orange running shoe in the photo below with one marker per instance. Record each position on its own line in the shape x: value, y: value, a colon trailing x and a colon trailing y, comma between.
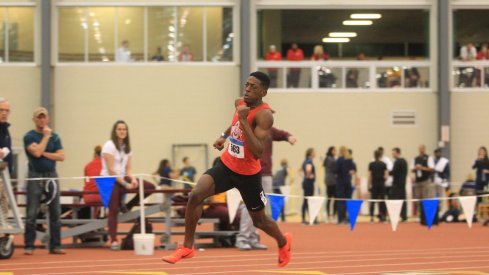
x: 284, y: 253
x: 181, y: 253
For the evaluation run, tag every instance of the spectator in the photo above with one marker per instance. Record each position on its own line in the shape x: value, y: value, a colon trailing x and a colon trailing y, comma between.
x: 411, y: 76
x: 481, y: 165
x: 248, y: 237
x: 353, y: 74
x: 441, y: 176
x: 294, y: 75
x: 377, y: 174
x: 453, y: 212
x: 185, y: 55
x: 399, y: 174
x: 279, y: 180
x: 423, y: 167
x: 43, y: 148
x: 468, y: 52
x: 483, y: 54
x: 117, y: 162
x: 345, y: 169
x: 93, y: 169
x: 329, y: 165
x: 188, y: 172
x: 123, y: 54
x: 309, y: 179
x: 273, y: 55
x: 388, y: 162
x: 158, y: 55
x: 166, y: 173
x: 468, y: 187
x: 5, y: 151
x: 319, y: 54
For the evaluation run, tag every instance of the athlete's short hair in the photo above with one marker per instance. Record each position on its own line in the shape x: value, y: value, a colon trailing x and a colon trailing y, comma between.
x: 263, y: 77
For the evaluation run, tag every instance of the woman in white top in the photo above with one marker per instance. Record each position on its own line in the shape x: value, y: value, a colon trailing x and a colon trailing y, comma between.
x: 117, y: 161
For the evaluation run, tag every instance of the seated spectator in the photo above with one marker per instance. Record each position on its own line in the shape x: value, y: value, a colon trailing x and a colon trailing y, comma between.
x: 468, y: 188
x: 158, y: 55
x: 93, y: 169
x: 185, y: 55
x: 353, y: 73
x: 166, y: 173
x: 468, y: 52
x: 319, y: 54
x: 453, y: 212
x: 411, y: 77
x: 483, y: 54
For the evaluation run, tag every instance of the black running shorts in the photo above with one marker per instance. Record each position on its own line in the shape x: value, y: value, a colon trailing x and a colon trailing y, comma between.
x: 249, y: 186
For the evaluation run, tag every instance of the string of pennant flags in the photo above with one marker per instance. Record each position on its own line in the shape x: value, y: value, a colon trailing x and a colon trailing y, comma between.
x: 105, y: 185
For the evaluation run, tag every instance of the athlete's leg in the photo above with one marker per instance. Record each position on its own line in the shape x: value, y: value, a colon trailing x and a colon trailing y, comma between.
x: 205, y: 188
x: 269, y: 226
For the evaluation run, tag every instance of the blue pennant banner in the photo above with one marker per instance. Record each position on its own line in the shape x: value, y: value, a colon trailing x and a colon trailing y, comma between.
x: 353, y: 208
x: 429, y: 208
x: 277, y: 204
x: 105, y: 186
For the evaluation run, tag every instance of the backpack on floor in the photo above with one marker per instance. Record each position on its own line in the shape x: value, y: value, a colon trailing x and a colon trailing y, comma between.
x: 128, y: 242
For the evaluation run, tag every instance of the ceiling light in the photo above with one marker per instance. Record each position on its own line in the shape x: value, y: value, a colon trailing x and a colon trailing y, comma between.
x: 366, y: 16
x: 342, y: 34
x: 357, y: 22
x: 336, y: 40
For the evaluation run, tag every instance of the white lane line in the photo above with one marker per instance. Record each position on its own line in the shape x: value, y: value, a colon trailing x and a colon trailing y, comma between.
x: 163, y: 268
x: 465, y: 268
x: 238, y: 255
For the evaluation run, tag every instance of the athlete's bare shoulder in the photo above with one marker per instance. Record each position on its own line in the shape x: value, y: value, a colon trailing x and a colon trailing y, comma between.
x: 265, y: 118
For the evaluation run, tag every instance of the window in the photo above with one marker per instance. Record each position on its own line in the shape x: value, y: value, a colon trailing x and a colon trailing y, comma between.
x: 145, y: 34
x: 470, y: 49
x: 17, y: 34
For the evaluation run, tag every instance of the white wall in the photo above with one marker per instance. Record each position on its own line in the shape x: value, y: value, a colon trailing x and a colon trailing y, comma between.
x: 163, y: 105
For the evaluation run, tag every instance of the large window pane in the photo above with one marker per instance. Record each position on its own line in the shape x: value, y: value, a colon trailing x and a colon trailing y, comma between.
x: 190, y: 33
x: 396, y: 34
x: 470, y: 34
x: 2, y: 34
x: 101, y: 34
x: 21, y: 34
x: 299, y: 78
x: 162, y: 34
x: 220, y: 34
x: 72, y: 24
x: 131, y: 29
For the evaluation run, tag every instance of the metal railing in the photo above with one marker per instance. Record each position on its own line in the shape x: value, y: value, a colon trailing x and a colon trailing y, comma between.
x: 348, y: 75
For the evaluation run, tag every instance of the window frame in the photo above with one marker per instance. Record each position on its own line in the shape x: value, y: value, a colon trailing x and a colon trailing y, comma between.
x: 36, y: 35
x: 233, y: 4
x: 352, y: 4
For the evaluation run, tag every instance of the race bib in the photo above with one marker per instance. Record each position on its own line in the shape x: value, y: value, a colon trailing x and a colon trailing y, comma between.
x: 236, y: 148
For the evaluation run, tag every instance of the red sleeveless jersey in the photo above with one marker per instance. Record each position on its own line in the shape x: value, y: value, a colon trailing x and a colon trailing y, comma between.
x: 237, y: 156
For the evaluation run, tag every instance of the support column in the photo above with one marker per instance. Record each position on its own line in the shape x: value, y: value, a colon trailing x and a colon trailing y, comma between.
x: 245, y: 55
x: 444, y: 58
x: 46, y: 69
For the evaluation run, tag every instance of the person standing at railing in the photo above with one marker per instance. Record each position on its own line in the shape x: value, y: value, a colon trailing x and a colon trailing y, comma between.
x: 352, y: 74
x: 467, y: 74
x: 43, y: 149
x: 294, y: 75
x: 117, y: 162
x: 345, y: 170
x: 273, y: 55
x: 123, y: 54
x: 481, y: 166
x: 483, y: 54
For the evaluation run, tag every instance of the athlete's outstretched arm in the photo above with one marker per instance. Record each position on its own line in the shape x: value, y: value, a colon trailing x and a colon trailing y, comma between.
x: 255, y: 139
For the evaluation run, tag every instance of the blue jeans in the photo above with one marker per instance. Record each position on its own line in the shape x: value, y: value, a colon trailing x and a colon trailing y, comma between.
x: 35, y: 191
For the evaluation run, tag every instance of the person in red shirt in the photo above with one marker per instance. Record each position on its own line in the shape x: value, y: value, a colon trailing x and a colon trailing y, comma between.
x: 319, y: 53
x: 273, y: 55
x: 93, y: 169
x: 240, y: 168
x: 294, y: 54
x: 483, y: 54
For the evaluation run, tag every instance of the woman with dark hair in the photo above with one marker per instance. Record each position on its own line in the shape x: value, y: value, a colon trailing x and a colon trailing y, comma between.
x: 92, y: 169
x: 481, y: 165
x: 329, y: 165
x: 166, y: 173
x: 345, y: 170
x: 117, y: 161
x: 309, y: 179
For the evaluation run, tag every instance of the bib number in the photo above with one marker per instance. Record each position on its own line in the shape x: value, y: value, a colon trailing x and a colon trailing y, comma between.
x: 236, y: 148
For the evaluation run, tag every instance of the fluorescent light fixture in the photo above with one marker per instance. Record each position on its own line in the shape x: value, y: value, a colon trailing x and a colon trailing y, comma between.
x: 336, y: 40
x: 357, y: 22
x: 366, y: 16
x: 342, y: 34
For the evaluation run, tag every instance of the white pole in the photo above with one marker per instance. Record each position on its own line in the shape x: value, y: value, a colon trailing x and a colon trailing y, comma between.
x: 141, y: 205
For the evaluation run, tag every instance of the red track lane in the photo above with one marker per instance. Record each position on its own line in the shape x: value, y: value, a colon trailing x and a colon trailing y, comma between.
x: 321, y: 249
